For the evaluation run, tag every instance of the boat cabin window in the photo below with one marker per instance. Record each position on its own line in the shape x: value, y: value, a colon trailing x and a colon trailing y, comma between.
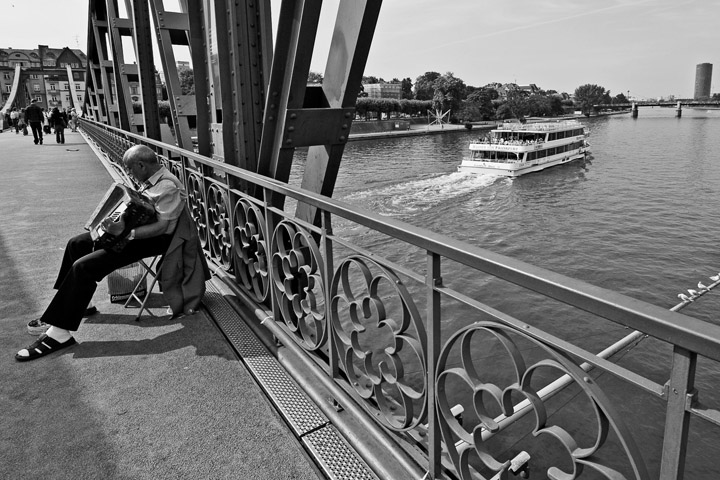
x: 493, y: 156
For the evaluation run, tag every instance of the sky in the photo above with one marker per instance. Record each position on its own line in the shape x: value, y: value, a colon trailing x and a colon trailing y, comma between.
x: 649, y: 48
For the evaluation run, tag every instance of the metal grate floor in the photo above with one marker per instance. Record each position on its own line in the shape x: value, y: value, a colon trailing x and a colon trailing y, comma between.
x: 335, y: 458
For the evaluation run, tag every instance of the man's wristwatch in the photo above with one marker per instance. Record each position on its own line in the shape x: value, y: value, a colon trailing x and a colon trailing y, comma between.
x: 132, y: 235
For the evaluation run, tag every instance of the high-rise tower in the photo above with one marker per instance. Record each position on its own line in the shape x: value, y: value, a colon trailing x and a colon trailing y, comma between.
x: 703, y: 77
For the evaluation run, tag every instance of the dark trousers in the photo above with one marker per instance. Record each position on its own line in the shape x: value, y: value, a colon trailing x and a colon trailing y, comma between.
x: 36, y: 128
x: 59, y: 134
x: 81, y: 270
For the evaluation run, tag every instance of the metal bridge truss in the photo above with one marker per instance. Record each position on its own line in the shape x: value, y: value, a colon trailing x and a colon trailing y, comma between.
x: 451, y: 401
x: 252, y: 107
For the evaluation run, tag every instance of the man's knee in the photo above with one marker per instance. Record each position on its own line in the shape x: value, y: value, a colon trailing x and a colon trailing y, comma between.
x: 80, y: 245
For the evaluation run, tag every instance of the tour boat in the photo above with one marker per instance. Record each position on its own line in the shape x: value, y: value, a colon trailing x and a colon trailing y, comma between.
x: 514, y: 149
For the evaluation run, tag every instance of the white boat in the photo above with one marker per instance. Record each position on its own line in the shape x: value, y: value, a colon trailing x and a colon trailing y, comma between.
x: 514, y: 149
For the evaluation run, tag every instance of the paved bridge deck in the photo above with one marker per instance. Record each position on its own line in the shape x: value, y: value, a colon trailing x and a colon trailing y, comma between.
x: 156, y: 399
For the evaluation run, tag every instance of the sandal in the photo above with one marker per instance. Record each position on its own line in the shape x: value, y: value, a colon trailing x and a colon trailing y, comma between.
x: 43, y: 346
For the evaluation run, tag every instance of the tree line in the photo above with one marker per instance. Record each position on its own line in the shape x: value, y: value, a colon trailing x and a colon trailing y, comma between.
x: 494, y: 101
x: 433, y: 92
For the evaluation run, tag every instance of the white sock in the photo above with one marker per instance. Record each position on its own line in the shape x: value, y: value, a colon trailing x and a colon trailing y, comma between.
x: 59, y: 334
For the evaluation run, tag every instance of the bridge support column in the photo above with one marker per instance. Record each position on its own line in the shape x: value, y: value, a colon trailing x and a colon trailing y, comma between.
x: 634, y: 110
x: 678, y: 110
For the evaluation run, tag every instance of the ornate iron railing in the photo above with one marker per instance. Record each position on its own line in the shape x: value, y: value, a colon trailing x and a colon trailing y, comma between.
x: 376, y: 324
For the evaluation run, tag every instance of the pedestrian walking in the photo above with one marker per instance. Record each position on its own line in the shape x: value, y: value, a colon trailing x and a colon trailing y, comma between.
x: 22, y: 125
x: 73, y: 119
x: 58, y: 120
x: 34, y: 117
x: 46, y: 122
x: 14, y: 114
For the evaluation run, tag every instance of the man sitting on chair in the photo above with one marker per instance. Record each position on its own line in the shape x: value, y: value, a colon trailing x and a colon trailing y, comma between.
x: 83, y: 267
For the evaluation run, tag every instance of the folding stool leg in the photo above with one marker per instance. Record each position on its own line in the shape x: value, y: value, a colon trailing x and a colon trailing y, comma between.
x: 154, y: 263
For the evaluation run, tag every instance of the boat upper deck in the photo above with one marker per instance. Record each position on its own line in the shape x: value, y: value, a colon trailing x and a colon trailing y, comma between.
x: 541, y: 127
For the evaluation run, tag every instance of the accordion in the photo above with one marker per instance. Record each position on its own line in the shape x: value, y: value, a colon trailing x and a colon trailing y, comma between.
x: 119, y: 201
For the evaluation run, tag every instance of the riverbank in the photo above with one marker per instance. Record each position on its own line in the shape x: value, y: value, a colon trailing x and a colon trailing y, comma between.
x: 412, y: 130
x: 423, y: 129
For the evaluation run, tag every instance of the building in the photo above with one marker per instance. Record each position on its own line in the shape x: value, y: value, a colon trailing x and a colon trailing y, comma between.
x: 43, y: 76
x: 703, y: 79
x: 503, y: 89
x: 383, y: 90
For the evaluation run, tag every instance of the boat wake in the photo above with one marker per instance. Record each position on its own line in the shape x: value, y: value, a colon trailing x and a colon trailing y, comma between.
x: 419, y: 195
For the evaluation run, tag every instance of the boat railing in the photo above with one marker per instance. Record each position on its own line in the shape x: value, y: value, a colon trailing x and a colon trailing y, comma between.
x: 443, y: 365
x: 541, y: 126
x: 515, y: 143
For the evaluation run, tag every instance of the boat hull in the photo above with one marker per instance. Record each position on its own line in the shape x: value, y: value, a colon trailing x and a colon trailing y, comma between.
x: 518, y: 168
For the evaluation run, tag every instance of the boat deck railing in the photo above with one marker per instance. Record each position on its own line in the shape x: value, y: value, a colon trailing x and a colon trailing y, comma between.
x: 452, y: 371
x: 540, y: 126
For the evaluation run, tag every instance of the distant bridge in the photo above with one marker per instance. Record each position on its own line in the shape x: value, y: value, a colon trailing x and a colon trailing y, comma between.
x: 677, y: 104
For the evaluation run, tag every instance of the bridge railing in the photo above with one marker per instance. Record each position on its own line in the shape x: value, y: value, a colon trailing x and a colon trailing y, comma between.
x: 450, y: 371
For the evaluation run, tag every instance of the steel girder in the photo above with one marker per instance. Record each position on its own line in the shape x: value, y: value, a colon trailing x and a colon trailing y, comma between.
x: 142, y: 40
x: 173, y: 29
x: 123, y: 72
x: 317, y: 117
x: 99, y: 89
x: 231, y: 46
x: 354, y: 29
x: 109, y: 77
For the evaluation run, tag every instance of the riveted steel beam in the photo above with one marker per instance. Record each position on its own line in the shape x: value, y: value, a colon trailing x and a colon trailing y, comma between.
x: 120, y: 27
x: 231, y: 61
x: 142, y: 37
x: 249, y: 48
x: 349, y: 49
x: 296, y: 115
x: 317, y: 126
x: 99, y: 67
x: 197, y: 11
x: 297, y: 23
x: 172, y: 28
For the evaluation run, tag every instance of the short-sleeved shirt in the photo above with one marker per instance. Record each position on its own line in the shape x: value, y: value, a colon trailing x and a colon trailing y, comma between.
x: 168, y: 195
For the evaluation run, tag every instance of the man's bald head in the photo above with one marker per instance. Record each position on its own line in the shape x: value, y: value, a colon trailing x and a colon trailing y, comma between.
x: 140, y: 153
x: 141, y: 162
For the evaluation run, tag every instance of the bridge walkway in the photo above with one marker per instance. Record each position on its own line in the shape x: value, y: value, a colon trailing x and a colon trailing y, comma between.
x: 156, y: 399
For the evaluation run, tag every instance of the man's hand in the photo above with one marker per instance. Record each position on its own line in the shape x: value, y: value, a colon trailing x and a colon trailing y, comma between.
x: 114, y: 227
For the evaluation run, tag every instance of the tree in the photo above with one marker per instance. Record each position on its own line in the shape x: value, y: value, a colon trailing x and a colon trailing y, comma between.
x: 620, y: 98
x: 164, y: 109
x: 314, y: 77
x: 539, y: 106
x: 372, y: 80
x: 556, y: 104
x: 406, y: 88
x: 424, y: 88
x: 187, y: 80
x: 451, y: 91
x: 516, y: 105
x: 588, y: 95
x: 478, y: 105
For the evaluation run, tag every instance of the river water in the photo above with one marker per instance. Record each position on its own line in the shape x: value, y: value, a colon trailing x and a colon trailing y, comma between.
x: 640, y: 217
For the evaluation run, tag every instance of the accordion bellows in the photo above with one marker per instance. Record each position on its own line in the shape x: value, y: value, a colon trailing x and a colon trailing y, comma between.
x: 119, y: 200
